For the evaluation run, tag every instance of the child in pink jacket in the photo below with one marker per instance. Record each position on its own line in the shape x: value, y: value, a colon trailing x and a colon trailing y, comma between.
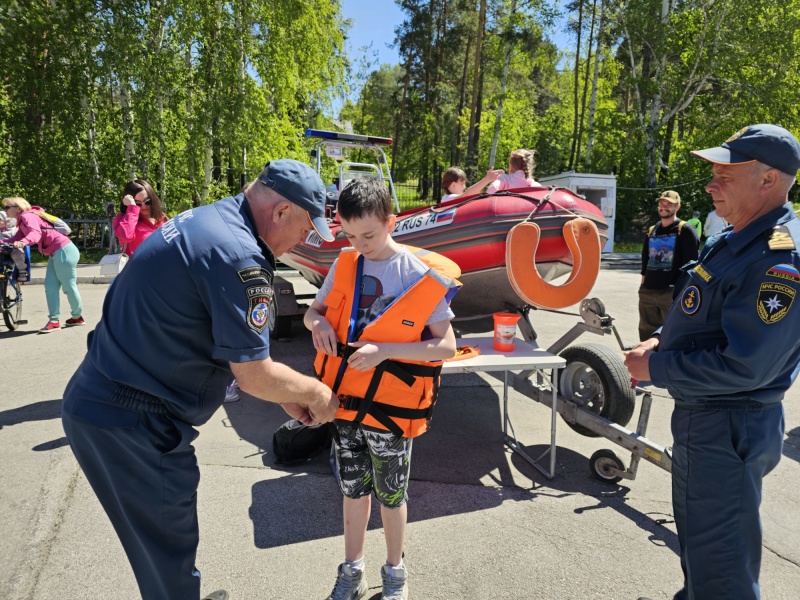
x: 61, y: 265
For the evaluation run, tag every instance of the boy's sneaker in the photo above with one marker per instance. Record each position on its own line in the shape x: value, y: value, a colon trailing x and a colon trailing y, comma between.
x: 232, y: 393
x: 74, y: 321
x: 394, y: 582
x: 51, y: 326
x: 22, y: 276
x: 350, y: 584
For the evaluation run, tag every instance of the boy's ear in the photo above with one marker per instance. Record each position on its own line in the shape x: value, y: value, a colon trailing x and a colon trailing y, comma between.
x: 392, y: 220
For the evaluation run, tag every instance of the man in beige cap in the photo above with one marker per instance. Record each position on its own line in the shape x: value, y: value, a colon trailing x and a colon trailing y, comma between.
x: 668, y: 246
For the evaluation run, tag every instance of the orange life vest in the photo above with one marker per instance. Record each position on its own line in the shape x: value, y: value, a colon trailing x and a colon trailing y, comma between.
x: 398, y: 395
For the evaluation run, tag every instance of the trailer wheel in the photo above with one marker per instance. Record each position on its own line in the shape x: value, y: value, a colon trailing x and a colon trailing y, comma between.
x: 279, y: 327
x: 601, y: 463
x: 595, y: 378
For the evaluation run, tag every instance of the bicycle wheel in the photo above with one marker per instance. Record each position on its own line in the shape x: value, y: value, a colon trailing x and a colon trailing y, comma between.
x: 12, y: 303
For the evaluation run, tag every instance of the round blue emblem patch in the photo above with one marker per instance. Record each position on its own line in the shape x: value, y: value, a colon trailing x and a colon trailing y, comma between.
x: 690, y: 300
x: 258, y: 315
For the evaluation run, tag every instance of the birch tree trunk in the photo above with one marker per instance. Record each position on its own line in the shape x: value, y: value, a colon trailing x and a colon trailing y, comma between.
x: 127, y: 126
x: 593, y: 101
x: 575, y: 87
x: 191, y: 165
x: 472, y: 144
x: 503, y: 83
x: 585, y: 85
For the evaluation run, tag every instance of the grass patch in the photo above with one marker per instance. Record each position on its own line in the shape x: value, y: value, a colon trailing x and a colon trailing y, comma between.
x: 88, y: 256
x: 626, y: 247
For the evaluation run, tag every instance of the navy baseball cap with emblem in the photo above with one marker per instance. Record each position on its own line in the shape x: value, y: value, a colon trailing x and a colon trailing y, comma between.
x: 300, y: 184
x: 771, y: 145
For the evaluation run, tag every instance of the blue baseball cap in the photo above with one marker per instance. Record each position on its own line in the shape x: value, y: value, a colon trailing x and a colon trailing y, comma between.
x: 771, y: 145
x: 300, y: 185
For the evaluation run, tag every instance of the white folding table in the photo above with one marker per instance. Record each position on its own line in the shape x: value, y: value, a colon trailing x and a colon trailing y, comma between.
x: 524, y: 357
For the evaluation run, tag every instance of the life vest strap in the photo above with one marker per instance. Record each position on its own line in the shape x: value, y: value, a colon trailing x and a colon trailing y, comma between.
x: 407, y: 373
x: 382, y: 413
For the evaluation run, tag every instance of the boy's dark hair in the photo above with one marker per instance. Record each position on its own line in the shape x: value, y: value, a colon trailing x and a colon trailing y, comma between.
x: 365, y: 196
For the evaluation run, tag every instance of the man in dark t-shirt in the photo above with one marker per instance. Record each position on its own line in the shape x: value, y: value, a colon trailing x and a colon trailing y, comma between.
x: 668, y: 246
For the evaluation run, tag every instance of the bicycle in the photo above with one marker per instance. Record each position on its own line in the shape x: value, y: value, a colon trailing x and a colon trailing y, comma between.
x: 10, y: 290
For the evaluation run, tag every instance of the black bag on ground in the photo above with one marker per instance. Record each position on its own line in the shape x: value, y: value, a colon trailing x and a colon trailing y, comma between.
x: 294, y: 443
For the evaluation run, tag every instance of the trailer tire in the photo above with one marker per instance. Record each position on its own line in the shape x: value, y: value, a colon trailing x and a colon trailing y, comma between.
x: 595, y: 378
x: 280, y: 328
x: 601, y: 461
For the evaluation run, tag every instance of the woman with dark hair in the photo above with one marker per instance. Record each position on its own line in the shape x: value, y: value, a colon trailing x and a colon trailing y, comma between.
x: 140, y: 214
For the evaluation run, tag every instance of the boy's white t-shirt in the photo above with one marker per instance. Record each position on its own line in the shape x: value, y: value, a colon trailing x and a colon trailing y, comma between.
x: 384, y: 280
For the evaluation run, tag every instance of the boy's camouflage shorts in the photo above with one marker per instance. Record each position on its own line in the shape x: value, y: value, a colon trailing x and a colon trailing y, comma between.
x: 370, y: 461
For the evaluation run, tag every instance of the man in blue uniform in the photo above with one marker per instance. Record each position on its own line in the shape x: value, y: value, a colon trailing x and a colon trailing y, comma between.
x: 727, y: 353
x: 188, y: 314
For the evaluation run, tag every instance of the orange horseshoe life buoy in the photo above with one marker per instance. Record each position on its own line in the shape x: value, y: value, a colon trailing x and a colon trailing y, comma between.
x: 583, y: 241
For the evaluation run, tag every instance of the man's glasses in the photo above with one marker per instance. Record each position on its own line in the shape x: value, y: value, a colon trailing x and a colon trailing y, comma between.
x: 147, y: 202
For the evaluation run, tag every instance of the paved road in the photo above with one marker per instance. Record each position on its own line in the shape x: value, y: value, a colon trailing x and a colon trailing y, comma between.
x: 483, y: 523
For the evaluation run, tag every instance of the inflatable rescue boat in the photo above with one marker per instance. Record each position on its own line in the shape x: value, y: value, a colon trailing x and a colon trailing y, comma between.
x: 497, y: 240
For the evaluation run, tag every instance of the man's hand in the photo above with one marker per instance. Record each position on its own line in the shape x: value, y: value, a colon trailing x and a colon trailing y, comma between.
x: 296, y: 411
x: 325, y: 411
x: 638, y: 359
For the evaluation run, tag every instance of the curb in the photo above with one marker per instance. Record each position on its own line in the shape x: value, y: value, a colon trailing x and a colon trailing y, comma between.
x: 84, y: 279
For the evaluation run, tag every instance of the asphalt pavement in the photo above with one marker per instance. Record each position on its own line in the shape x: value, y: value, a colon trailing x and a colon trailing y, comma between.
x: 483, y: 523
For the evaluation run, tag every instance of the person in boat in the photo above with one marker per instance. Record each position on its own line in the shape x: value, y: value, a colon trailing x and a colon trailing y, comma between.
x: 521, y: 164
x: 727, y: 353
x: 454, y: 182
x: 393, y: 295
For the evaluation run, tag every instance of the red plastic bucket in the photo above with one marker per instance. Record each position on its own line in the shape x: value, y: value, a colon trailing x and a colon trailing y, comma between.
x: 505, y: 331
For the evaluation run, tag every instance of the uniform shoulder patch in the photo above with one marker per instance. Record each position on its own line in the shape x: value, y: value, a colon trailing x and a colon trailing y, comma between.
x: 774, y: 301
x: 781, y: 239
x: 787, y: 272
x: 254, y: 273
x: 690, y: 300
x: 703, y: 273
x: 259, y: 306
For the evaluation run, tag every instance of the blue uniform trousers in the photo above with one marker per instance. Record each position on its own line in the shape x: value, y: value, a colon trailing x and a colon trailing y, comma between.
x: 143, y: 469
x: 719, y: 460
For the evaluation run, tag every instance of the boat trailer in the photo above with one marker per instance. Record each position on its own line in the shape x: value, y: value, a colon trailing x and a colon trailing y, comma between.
x: 595, y: 394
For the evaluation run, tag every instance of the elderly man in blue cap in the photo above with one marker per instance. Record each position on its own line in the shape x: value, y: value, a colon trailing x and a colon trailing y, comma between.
x: 727, y: 353
x: 189, y: 312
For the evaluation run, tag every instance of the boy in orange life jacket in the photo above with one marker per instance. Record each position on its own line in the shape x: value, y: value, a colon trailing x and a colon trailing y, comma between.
x: 398, y: 295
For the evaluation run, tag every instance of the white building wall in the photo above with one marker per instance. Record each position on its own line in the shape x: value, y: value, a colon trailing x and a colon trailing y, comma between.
x: 600, y: 190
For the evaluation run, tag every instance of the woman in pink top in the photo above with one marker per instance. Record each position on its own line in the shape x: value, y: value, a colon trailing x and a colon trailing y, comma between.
x: 140, y: 214
x: 520, y: 172
x: 61, y: 265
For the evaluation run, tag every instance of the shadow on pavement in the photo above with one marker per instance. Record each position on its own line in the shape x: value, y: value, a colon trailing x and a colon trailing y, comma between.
x: 38, y: 411
x: 51, y: 445
x: 791, y: 445
x: 465, y: 448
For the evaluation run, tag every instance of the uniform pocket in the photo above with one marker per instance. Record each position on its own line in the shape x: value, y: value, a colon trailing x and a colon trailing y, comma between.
x: 104, y: 416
